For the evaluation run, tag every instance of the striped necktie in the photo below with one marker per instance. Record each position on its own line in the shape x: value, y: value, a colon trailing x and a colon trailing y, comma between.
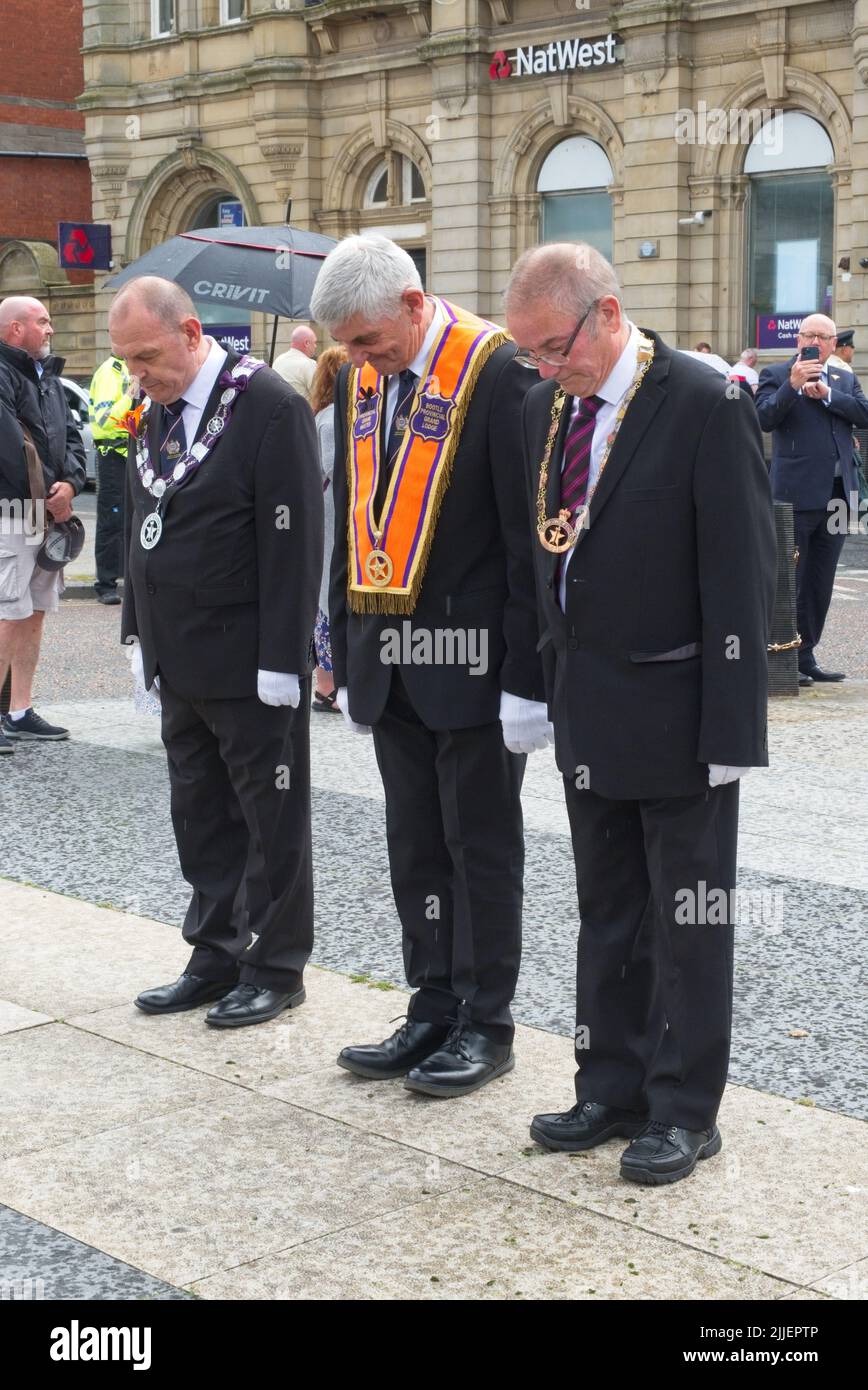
x: 173, y: 436
x: 577, y: 455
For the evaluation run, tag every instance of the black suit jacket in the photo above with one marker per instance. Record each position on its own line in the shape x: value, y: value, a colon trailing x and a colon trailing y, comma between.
x: 658, y: 666
x: 479, y: 574
x: 231, y: 588
x: 809, y: 437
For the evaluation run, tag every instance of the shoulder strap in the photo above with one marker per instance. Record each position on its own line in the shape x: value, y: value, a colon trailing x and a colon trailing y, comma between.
x: 35, y: 474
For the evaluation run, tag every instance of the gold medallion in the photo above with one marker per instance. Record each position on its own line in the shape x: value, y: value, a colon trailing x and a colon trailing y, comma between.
x: 379, y: 568
x: 557, y: 534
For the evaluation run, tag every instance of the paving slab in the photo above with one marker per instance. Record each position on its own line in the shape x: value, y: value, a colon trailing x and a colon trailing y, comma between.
x: 203, y: 1188
x: 492, y: 1241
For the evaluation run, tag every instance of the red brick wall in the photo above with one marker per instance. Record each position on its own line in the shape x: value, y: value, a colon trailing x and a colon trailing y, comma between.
x: 40, y: 61
x: 39, y: 57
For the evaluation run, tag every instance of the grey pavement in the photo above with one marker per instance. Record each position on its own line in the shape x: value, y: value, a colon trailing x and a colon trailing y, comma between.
x: 89, y: 819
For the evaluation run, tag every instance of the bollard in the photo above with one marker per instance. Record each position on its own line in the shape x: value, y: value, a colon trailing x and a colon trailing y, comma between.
x: 784, y: 638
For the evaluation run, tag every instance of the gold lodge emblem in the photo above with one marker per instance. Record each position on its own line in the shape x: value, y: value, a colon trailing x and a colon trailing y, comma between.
x: 557, y: 534
x: 378, y: 568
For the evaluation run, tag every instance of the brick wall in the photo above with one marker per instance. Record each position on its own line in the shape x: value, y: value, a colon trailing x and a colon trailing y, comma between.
x: 40, y: 58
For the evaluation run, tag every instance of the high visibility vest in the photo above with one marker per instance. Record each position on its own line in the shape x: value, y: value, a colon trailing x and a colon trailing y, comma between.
x: 109, y: 397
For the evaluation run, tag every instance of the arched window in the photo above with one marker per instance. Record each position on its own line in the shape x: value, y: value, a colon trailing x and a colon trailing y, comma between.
x: 573, y: 185
x: 790, y: 218
x: 407, y: 184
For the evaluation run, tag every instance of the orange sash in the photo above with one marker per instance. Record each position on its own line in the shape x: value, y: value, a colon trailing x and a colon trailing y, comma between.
x: 388, y: 554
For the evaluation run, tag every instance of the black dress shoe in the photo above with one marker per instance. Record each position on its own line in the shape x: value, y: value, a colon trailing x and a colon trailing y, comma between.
x: 253, y: 1004
x: 188, y: 992
x: 412, y: 1043
x: 818, y: 674
x: 663, y: 1153
x: 589, y: 1123
x: 805, y: 680
x: 464, y: 1062
x: 110, y: 597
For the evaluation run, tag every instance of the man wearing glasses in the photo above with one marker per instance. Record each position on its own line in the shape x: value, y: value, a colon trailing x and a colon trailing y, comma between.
x: 655, y: 566
x: 810, y: 405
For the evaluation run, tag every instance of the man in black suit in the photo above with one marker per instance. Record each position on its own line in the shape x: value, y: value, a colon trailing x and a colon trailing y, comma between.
x: 655, y: 567
x: 810, y: 407
x: 224, y: 539
x: 433, y: 629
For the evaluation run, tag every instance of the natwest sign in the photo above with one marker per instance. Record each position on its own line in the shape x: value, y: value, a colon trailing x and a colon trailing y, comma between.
x: 561, y: 55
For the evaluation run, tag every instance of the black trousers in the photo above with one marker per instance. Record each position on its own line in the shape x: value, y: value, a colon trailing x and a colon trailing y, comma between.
x: 239, y: 773
x: 456, y: 854
x: 108, y: 543
x: 819, y: 552
x: 654, y: 966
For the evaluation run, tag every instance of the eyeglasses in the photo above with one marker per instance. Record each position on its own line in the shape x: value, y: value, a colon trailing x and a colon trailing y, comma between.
x: 820, y: 337
x: 525, y: 357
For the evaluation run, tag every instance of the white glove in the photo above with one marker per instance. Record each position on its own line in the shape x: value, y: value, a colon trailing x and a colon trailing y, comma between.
x: 526, y: 727
x: 343, y: 705
x: 277, y: 688
x: 718, y: 775
x: 137, y: 664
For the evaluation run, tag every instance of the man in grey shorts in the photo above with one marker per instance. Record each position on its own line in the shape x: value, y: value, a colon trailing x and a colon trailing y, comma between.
x: 31, y: 394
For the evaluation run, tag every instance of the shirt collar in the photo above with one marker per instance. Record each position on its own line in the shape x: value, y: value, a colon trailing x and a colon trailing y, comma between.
x: 202, y: 385
x: 420, y: 360
x: 619, y: 380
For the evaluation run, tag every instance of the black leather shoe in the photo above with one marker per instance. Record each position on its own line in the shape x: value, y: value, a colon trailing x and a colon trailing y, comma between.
x: 252, y: 1004
x: 816, y: 673
x: 466, y: 1061
x: 805, y: 680
x: 188, y: 992
x: 412, y: 1043
x: 110, y: 598
x: 663, y: 1153
x: 589, y: 1123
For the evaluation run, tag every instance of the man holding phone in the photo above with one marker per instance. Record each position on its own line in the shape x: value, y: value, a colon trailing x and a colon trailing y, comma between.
x: 810, y: 406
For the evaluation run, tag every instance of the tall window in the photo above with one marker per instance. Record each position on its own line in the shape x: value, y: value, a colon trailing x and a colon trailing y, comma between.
x: 231, y: 11
x: 162, y: 17
x: 790, y: 219
x: 573, y: 185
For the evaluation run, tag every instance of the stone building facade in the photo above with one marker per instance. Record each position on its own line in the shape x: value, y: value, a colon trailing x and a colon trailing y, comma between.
x: 471, y: 129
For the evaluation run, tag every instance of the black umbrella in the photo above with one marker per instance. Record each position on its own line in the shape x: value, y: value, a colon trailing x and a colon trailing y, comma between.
x: 271, y: 270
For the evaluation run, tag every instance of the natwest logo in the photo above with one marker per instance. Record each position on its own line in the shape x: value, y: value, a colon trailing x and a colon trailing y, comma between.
x: 560, y: 55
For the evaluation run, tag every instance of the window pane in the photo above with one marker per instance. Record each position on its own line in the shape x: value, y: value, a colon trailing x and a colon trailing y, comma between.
x: 578, y: 217
x: 164, y: 14
x: 419, y: 257
x: 790, y: 246
x: 417, y: 187
x: 379, y: 193
x: 234, y: 9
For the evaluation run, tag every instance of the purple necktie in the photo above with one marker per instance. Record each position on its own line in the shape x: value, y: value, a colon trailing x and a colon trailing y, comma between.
x: 577, y: 455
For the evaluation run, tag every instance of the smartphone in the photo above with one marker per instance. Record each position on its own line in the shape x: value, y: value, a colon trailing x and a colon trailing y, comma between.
x: 810, y: 354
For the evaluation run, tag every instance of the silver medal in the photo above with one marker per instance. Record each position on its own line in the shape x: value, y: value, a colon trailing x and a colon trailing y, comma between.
x: 228, y: 396
x: 159, y: 488
x: 152, y: 529
x: 178, y: 471
x: 199, y: 451
x: 215, y: 425
x: 148, y: 477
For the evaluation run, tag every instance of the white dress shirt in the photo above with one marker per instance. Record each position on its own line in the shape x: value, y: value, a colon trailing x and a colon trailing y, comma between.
x: 200, y: 388
x: 612, y: 392
x: 418, y: 364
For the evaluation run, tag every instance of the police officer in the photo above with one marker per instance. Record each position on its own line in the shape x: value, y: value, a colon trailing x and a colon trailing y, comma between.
x: 110, y: 398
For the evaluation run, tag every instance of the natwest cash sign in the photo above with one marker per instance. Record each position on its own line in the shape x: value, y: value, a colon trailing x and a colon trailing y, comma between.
x: 561, y: 55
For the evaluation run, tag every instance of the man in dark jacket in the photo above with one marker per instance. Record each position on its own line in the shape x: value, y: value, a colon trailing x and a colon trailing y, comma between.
x: 224, y: 532
x: 31, y: 395
x: 655, y: 562
x: 433, y: 631
x: 810, y: 409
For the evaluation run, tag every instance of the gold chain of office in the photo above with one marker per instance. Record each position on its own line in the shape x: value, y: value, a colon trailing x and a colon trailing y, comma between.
x: 558, y: 533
